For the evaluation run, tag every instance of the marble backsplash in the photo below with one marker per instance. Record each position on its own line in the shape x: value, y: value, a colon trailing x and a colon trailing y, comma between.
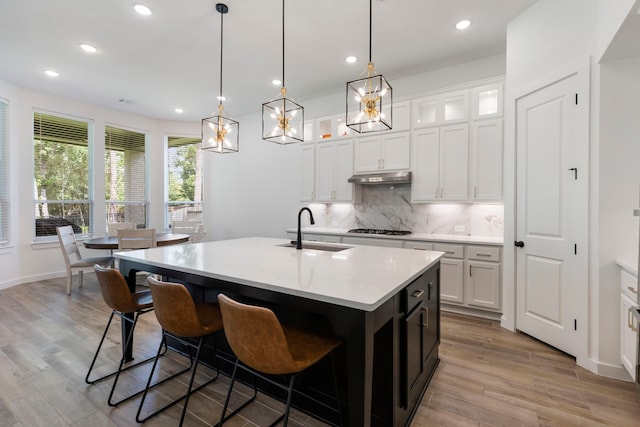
x: 390, y: 207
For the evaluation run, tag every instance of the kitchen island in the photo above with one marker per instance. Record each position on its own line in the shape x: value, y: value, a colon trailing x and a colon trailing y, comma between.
x: 384, y: 303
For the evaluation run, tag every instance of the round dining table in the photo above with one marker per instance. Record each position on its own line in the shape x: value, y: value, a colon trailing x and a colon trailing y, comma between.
x: 111, y: 242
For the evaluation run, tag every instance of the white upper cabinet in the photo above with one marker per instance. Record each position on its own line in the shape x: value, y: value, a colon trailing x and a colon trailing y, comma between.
x: 437, y: 110
x: 487, y: 101
x: 401, y: 115
x: 307, y: 181
x: 440, y: 164
x: 486, y: 160
x: 333, y: 167
x: 383, y: 152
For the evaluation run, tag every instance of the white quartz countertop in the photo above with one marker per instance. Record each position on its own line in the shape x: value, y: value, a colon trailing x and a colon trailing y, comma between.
x: 451, y: 238
x: 361, y: 277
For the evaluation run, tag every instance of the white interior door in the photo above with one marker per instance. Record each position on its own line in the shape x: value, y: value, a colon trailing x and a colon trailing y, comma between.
x: 548, y: 263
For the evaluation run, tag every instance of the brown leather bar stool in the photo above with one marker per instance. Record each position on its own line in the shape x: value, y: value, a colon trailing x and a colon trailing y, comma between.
x: 186, y: 322
x: 263, y: 345
x: 118, y: 297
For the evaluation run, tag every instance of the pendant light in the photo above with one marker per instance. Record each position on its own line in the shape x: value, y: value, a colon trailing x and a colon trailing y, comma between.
x: 369, y: 98
x: 220, y: 133
x: 282, y: 117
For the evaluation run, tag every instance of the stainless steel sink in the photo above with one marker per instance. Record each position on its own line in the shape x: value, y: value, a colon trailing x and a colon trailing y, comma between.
x: 317, y: 246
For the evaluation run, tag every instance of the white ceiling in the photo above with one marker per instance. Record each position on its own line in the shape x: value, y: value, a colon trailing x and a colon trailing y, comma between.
x: 171, y: 59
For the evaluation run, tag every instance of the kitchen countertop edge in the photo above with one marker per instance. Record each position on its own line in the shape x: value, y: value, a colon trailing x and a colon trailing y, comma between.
x: 445, y: 238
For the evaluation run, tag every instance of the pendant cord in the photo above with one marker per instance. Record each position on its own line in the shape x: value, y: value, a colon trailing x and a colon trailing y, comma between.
x: 221, y: 37
x: 283, y: 44
x: 370, y: 25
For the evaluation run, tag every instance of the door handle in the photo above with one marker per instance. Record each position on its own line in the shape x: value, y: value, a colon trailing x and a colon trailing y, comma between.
x: 519, y: 243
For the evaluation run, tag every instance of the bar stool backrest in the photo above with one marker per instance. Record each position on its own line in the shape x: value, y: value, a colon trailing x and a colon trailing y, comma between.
x: 115, y: 290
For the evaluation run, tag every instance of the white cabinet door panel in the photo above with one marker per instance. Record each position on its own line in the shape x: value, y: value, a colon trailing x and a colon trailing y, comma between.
x: 454, y: 162
x: 324, y: 171
x: 396, y: 151
x: 367, y: 154
x: 486, y: 163
x: 425, y: 167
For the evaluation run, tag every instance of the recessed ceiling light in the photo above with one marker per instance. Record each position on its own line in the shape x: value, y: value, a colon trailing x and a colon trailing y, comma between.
x: 221, y: 98
x: 178, y: 110
x: 351, y: 59
x: 88, y: 48
x: 276, y: 82
x: 463, y: 24
x: 142, y: 9
x: 51, y: 73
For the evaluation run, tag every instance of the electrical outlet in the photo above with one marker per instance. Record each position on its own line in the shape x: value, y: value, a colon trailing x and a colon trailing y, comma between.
x: 459, y: 228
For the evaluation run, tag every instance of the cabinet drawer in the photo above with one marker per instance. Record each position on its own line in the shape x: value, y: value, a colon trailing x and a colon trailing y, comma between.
x: 450, y: 250
x: 331, y: 239
x: 421, y: 246
x: 629, y: 285
x: 415, y: 293
x: 483, y: 253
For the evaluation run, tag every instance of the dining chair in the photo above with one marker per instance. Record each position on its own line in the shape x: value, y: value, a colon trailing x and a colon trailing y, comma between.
x: 143, y: 238
x: 113, y: 227
x: 72, y: 258
x: 193, y: 228
x: 263, y: 345
x: 187, y: 323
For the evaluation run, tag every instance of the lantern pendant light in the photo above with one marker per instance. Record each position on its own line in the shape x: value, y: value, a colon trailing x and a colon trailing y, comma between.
x: 282, y: 117
x: 220, y: 133
x: 369, y: 99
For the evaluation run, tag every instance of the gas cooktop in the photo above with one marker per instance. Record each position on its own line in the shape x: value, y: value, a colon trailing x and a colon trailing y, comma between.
x: 378, y: 231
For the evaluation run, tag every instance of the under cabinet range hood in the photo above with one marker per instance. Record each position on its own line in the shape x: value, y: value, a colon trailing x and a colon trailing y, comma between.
x: 402, y: 177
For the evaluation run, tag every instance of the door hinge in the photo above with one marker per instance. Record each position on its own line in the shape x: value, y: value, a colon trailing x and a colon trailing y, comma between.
x: 576, y: 99
x: 575, y: 324
x: 575, y: 249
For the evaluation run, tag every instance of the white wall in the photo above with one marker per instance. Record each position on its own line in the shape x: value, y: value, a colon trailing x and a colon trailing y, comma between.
x: 545, y: 39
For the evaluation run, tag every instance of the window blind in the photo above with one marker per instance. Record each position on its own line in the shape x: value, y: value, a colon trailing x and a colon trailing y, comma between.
x: 125, y: 183
x: 61, y: 174
x: 4, y: 171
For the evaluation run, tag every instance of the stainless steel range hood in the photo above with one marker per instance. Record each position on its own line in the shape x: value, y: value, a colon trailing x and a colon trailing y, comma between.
x: 403, y: 177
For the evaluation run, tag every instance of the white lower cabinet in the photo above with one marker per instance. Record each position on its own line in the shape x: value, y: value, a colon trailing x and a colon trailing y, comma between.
x: 628, y: 335
x: 470, y: 276
x: 452, y: 280
x: 628, y: 323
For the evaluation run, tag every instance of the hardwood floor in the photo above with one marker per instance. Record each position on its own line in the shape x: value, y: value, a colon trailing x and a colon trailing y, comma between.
x: 487, y: 376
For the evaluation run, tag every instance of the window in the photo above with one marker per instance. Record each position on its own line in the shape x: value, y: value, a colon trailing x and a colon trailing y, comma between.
x: 125, y: 187
x: 185, y: 179
x: 4, y: 172
x: 61, y: 174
